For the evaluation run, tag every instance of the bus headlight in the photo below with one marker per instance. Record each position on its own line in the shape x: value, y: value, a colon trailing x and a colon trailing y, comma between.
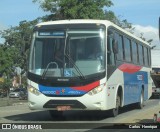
x: 33, y: 90
x: 96, y: 90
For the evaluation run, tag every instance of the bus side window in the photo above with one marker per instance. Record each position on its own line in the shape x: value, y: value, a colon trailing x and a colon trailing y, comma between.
x: 140, y: 51
x: 149, y: 57
x: 110, y: 54
x: 127, y: 48
x: 120, y: 47
x: 134, y: 52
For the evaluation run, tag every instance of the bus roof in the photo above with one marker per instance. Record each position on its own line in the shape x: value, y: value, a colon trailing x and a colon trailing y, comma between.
x: 80, y: 21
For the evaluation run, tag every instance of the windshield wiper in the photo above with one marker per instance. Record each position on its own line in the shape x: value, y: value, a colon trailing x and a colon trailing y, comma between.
x: 45, y: 70
x: 75, y: 66
x: 70, y: 59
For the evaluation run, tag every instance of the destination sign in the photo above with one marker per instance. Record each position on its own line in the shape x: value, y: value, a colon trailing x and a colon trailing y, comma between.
x: 55, y: 33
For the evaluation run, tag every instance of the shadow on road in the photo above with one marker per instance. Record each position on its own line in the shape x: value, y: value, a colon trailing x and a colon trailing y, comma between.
x: 67, y: 115
x: 155, y: 97
x: 145, y: 121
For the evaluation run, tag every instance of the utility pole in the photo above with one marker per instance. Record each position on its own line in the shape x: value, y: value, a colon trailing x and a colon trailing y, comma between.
x: 18, y: 71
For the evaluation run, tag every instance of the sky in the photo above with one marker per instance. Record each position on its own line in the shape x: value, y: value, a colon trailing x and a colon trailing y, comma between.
x: 14, y: 11
x: 143, y: 14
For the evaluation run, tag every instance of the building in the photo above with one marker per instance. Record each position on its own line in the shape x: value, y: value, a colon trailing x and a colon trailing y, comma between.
x: 155, y: 54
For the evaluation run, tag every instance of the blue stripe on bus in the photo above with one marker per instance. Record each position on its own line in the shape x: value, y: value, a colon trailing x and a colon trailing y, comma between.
x: 133, y: 86
x: 59, y: 91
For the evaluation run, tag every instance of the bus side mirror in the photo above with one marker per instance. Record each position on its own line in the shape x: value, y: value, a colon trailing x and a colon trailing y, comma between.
x: 115, y: 46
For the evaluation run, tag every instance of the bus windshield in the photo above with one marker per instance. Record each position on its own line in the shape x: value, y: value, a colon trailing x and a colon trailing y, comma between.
x: 69, y: 53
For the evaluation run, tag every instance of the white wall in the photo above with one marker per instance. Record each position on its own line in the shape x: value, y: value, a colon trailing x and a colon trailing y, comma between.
x: 155, y: 55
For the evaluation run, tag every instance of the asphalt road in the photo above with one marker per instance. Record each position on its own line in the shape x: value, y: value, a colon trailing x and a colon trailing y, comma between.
x: 20, y: 113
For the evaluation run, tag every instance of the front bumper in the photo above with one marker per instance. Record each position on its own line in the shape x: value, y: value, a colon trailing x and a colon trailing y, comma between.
x: 85, y: 102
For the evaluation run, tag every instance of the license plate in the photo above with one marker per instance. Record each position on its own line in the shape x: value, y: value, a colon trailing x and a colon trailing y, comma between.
x: 63, y: 108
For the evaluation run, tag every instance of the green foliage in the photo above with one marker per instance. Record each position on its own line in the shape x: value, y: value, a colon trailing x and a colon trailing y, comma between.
x: 6, y: 85
x: 6, y: 58
x: 14, y: 51
x: 80, y: 9
x: 75, y: 9
x: 109, y: 15
x: 16, y: 47
x: 83, y: 9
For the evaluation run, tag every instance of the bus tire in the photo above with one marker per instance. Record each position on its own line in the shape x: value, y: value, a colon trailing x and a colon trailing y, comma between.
x: 141, y: 103
x: 55, y: 113
x: 115, y: 111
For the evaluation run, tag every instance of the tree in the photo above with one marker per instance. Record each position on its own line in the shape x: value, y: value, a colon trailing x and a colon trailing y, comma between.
x: 80, y: 9
x: 75, y: 9
x: 17, y: 43
x: 14, y: 51
x: 6, y: 59
x: 6, y: 63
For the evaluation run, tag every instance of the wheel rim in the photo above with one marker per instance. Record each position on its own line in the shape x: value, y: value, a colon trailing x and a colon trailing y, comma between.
x: 142, y: 99
x: 115, y: 111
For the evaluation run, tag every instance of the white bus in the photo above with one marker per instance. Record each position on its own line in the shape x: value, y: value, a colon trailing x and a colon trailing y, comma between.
x: 87, y: 65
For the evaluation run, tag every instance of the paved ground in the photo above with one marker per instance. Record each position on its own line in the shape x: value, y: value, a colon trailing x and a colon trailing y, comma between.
x: 20, y: 113
x: 10, y: 101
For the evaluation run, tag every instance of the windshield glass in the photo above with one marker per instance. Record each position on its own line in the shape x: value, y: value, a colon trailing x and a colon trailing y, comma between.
x: 70, y: 54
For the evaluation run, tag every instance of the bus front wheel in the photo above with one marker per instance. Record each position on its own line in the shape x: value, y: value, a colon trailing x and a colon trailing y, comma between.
x: 115, y: 111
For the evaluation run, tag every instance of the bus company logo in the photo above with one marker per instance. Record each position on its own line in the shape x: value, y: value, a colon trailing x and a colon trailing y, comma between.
x: 63, y: 91
x: 57, y: 92
x: 74, y: 92
x: 49, y: 92
x: 140, y: 77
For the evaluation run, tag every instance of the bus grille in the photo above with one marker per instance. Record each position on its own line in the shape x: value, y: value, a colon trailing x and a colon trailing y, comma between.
x: 72, y: 103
